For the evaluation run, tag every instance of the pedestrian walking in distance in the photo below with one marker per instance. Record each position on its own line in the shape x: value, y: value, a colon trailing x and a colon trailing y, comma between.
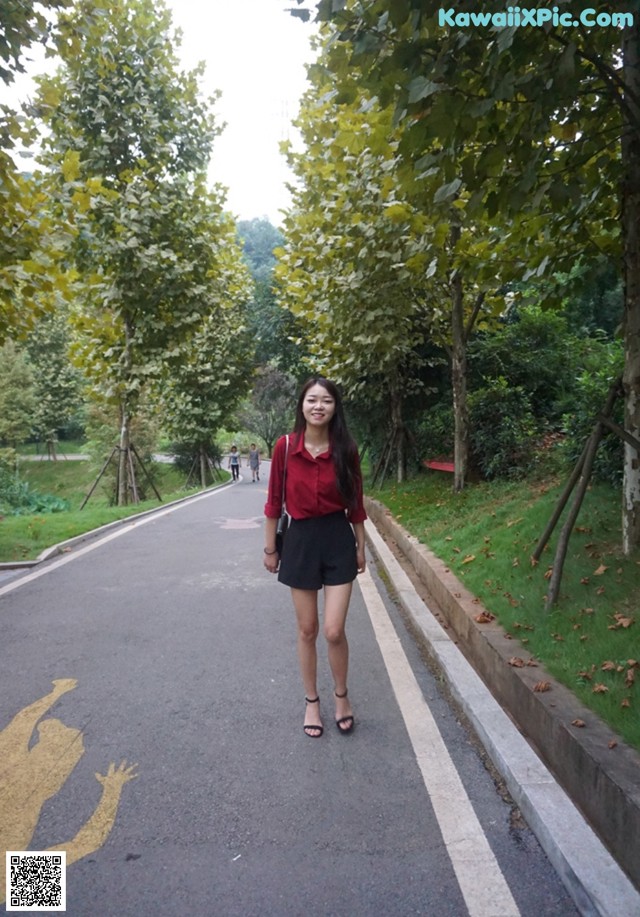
x: 254, y: 462
x: 234, y: 463
x: 324, y: 544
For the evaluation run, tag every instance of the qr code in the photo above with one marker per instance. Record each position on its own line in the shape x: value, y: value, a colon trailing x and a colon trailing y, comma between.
x: 36, y: 880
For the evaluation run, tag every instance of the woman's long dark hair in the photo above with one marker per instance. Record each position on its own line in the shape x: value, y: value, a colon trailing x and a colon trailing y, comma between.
x: 343, y: 447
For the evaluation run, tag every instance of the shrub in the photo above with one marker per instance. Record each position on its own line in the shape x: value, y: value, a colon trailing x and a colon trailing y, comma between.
x: 503, y: 430
x: 536, y: 352
x: 604, y: 363
x: 433, y: 435
x: 17, y: 498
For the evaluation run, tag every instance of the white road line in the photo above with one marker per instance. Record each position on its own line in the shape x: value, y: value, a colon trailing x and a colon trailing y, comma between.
x: 483, y: 886
x: 123, y: 528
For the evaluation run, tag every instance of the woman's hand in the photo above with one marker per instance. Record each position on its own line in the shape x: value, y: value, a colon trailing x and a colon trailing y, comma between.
x: 272, y: 562
x: 361, y: 560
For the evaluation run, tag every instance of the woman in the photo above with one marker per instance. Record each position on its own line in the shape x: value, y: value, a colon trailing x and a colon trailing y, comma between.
x: 324, y: 501
x: 254, y: 462
x: 234, y: 463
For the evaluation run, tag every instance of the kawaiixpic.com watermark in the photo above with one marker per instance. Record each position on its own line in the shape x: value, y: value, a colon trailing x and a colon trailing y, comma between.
x: 536, y: 17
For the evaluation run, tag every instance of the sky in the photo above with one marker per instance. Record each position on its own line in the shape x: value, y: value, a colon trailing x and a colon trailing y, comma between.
x: 255, y: 54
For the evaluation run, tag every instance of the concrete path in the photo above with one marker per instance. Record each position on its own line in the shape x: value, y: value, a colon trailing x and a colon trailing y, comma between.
x: 164, y: 644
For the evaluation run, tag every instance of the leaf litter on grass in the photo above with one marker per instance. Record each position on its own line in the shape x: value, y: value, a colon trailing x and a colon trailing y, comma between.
x: 486, y: 536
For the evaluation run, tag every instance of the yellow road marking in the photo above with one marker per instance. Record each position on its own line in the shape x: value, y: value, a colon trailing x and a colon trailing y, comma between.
x: 29, y: 776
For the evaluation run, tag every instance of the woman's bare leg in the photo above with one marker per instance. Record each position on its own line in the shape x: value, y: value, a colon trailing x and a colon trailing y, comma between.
x: 305, y: 602
x: 336, y: 606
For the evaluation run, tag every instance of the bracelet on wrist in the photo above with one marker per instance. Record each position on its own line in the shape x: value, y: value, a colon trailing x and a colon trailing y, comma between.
x: 275, y: 551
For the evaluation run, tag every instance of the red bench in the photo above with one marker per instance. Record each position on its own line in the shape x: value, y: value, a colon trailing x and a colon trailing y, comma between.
x: 439, y: 464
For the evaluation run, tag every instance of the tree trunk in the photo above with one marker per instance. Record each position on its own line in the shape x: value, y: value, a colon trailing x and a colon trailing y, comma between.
x: 397, y: 433
x: 204, y: 466
x: 631, y: 241
x: 123, y: 457
x: 459, y: 376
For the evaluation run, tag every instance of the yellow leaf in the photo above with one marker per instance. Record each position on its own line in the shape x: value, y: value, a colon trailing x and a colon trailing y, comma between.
x: 71, y: 165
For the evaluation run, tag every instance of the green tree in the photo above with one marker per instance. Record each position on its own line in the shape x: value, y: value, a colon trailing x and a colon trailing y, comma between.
x: 130, y: 139
x: 57, y: 383
x: 346, y: 269
x: 31, y: 239
x: 260, y: 239
x: 205, y: 384
x: 268, y: 412
x: 276, y: 333
x: 532, y: 121
x: 17, y: 396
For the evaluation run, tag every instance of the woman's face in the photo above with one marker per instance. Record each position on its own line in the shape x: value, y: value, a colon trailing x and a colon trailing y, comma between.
x: 318, y: 406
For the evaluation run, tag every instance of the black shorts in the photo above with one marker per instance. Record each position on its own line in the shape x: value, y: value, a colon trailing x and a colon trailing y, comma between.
x: 318, y: 552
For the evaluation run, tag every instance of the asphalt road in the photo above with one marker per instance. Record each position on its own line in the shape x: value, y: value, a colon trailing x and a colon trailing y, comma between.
x: 173, y: 650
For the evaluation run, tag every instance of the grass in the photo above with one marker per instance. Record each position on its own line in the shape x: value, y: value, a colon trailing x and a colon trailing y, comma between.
x: 590, y: 641
x: 25, y: 537
x: 63, y: 447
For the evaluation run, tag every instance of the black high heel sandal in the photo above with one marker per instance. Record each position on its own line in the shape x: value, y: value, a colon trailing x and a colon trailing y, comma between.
x: 317, y: 730
x: 344, y: 719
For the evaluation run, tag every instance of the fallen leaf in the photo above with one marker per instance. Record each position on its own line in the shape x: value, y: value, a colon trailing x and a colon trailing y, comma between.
x: 549, y: 573
x: 517, y: 662
x: 484, y: 618
x: 580, y: 723
x: 608, y: 666
x: 531, y: 662
x: 469, y: 558
x: 585, y: 580
x: 601, y: 569
x: 625, y: 702
x: 600, y: 688
x: 542, y: 686
x: 630, y: 677
x: 513, y: 522
x: 622, y: 621
x: 613, y: 744
x: 600, y: 590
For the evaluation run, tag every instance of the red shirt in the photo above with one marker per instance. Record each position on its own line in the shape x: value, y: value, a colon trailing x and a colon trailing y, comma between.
x: 311, y: 484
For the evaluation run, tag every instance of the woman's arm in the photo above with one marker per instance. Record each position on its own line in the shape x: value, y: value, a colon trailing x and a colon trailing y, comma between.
x: 358, y: 528
x: 271, y: 556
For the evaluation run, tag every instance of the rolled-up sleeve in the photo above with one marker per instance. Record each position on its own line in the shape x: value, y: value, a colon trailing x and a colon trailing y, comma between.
x: 273, y: 506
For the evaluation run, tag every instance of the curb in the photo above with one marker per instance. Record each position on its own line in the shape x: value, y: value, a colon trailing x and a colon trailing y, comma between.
x: 596, y: 782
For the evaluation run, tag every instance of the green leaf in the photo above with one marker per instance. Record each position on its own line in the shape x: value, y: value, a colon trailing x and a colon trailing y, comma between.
x: 448, y: 191
x: 422, y: 88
